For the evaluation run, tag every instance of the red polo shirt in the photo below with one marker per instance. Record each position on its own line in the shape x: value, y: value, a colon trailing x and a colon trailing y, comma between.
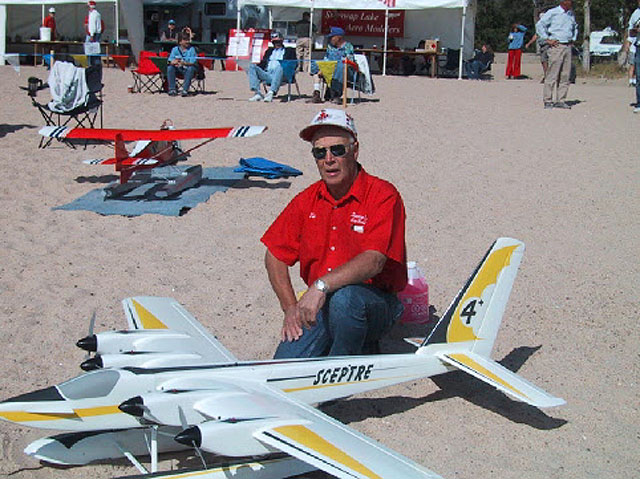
x: 323, y: 233
x: 50, y: 22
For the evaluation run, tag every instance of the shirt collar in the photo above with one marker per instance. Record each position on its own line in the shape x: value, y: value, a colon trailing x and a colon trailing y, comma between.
x: 357, y: 190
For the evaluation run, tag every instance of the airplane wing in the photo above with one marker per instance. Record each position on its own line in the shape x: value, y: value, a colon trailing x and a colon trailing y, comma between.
x: 109, y: 134
x: 500, y: 377
x: 150, y: 312
x: 132, y: 161
x: 313, y: 437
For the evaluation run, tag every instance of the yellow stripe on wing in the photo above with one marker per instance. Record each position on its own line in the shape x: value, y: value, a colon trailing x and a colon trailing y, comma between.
x: 148, y: 320
x: 24, y: 416
x: 309, y: 439
x: 467, y: 361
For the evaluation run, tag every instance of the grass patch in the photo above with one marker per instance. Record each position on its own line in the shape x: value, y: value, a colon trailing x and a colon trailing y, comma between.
x: 608, y: 69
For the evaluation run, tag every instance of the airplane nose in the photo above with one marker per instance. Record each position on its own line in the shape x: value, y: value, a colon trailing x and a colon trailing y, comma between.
x: 89, y: 343
x: 92, y: 364
x: 133, y: 406
x: 190, y: 437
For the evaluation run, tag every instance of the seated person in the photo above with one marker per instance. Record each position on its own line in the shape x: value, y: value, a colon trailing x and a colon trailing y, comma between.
x: 337, y: 50
x: 182, y: 60
x: 347, y: 232
x: 269, y: 70
x: 479, y: 63
x: 171, y: 33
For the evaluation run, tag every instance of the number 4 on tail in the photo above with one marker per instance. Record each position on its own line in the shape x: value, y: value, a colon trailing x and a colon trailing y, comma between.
x: 469, y: 310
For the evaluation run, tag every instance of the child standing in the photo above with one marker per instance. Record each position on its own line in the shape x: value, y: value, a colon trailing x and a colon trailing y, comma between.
x: 516, y: 40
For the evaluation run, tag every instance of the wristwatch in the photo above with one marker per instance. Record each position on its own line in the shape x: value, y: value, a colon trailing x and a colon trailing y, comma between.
x: 321, y: 286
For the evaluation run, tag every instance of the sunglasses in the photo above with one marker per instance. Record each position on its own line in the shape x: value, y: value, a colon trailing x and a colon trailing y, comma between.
x: 337, y: 151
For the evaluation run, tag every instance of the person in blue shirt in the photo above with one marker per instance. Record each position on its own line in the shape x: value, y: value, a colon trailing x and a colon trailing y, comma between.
x: 337, y: 50
x: 558, y: 29
x: 269, y: 70
x: 516, y: 40
x: 182, y: 59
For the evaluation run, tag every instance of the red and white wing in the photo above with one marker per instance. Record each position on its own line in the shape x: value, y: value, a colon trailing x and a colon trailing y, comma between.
x: 126, y: 162
x: 63, y: 132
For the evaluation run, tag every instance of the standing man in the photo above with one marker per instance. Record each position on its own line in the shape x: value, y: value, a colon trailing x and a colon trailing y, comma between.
x: 347, y: 232
x: 303, y: 40
x: 558, y: 28
x: 182, y: 59
x: 634, y: 27
x: 269, y: 70
x: 50, y: 22
x: 94, y: 26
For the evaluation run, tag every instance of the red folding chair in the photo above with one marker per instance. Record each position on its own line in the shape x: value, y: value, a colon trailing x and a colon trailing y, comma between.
x: 147, y: 76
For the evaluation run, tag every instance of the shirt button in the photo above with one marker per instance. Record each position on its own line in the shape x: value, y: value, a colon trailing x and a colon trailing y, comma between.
x: 328, y: 269
x: 333, y: 248
x: 334, y: 228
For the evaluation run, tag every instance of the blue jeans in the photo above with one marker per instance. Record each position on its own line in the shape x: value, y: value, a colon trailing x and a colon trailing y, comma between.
x: 186, y: 72
x: 351, y: 316
x: 271, y: 77
x: 474, y: 68
x: 637, y: 75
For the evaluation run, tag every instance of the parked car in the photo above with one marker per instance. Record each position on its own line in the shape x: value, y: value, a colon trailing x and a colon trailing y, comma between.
x: 605, y: 43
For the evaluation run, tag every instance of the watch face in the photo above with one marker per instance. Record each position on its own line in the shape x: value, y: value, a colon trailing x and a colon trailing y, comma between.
x: 321, y: 285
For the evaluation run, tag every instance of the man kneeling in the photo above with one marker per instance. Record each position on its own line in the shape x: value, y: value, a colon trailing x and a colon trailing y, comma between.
x: 269, y: 70
x: 347, y: 232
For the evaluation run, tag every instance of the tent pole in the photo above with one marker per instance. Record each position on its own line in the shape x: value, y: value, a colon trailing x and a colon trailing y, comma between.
x: 384, y: 48
x: 238, y: 25
x: 3, y: 33
x: 270, y: 19
x: 464, y: 18
x: 311, y: 41
x: 117, y: 24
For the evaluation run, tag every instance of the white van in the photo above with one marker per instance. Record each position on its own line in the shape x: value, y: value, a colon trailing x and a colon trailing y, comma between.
x: 605, y: 43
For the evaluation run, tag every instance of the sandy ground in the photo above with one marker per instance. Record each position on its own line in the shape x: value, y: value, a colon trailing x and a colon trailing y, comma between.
x: 473, y: 161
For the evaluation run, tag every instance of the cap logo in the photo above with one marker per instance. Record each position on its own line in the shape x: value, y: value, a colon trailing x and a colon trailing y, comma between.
x: 323, y: 115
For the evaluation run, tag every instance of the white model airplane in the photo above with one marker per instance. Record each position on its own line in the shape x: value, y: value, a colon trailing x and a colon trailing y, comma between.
x: 166, y: 384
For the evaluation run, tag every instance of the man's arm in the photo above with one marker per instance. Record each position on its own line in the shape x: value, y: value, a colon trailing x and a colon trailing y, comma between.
x: 280, y: 280
x: 357, y: 270
x: 542, y: 27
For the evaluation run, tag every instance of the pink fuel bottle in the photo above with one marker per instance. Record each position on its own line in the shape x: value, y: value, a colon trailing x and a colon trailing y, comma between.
x: 415, y: 296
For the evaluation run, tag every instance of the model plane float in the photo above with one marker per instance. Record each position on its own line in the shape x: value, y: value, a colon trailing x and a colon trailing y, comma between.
x: 166, y: 383
x: 153, y: 149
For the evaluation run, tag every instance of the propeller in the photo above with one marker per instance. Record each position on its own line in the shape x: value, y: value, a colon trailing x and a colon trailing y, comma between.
x: 89, y: 343
x: 135, y: 407
x: 190, y: 436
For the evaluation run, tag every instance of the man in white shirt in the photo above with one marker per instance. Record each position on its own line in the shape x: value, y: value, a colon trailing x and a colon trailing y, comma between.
x: 634, y: 26
x: 93, y: 28
x: 558, y: 28
x: 269, y: 70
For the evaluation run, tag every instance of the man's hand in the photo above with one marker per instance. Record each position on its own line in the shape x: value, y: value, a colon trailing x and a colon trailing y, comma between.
x: 292, y: 326
x: 553, y: 43
x: 309, y: 305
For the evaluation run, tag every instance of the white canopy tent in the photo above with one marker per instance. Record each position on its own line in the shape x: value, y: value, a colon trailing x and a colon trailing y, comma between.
x: 130, y: 11
x: 466, y: 19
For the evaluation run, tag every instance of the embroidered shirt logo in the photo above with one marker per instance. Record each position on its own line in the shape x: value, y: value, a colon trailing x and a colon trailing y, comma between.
x: 312, y: 216
x: 357, y: 219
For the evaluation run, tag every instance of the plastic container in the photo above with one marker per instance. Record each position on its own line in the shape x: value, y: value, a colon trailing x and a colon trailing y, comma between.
x: 45, y: 34
x: 415, y: 296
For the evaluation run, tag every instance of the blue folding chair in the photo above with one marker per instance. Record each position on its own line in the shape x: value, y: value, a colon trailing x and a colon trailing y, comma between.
x: 289, y: 68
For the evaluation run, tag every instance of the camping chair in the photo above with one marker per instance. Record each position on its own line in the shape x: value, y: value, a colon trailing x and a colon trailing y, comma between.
x: 197, y: 82
x: 450, y: 67
x: 288, y: 76
x: 147, y: 76
x: 82, y: 116
x: 358, y: 78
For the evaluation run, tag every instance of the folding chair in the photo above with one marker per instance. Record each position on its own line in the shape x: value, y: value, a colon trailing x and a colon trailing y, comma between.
x: 197, y: 82
x: 288, y: 76
x: 450, y: 68
x: 147, y: 77
x: 83, y: 116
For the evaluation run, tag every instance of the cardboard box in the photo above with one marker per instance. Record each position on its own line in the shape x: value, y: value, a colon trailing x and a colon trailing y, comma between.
x: 431, y: 46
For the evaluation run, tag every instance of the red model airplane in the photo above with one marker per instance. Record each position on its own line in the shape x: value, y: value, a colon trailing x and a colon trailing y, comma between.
x: 154, y: 149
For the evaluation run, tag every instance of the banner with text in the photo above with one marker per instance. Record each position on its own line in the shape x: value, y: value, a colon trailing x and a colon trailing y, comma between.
x: 365, y: 23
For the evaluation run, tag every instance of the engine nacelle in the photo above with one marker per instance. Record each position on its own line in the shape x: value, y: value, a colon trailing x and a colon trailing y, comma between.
x: 234, y: 439
x: 144, y: 340
x: 141, y: 360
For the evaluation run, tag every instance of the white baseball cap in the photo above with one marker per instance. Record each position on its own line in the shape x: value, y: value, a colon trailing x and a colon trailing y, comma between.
x: 330, y: 117
x: 52, y: 10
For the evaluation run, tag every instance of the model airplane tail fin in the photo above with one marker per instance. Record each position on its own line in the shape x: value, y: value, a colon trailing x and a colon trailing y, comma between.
x: 475, y: 314
x: 121, y: 151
